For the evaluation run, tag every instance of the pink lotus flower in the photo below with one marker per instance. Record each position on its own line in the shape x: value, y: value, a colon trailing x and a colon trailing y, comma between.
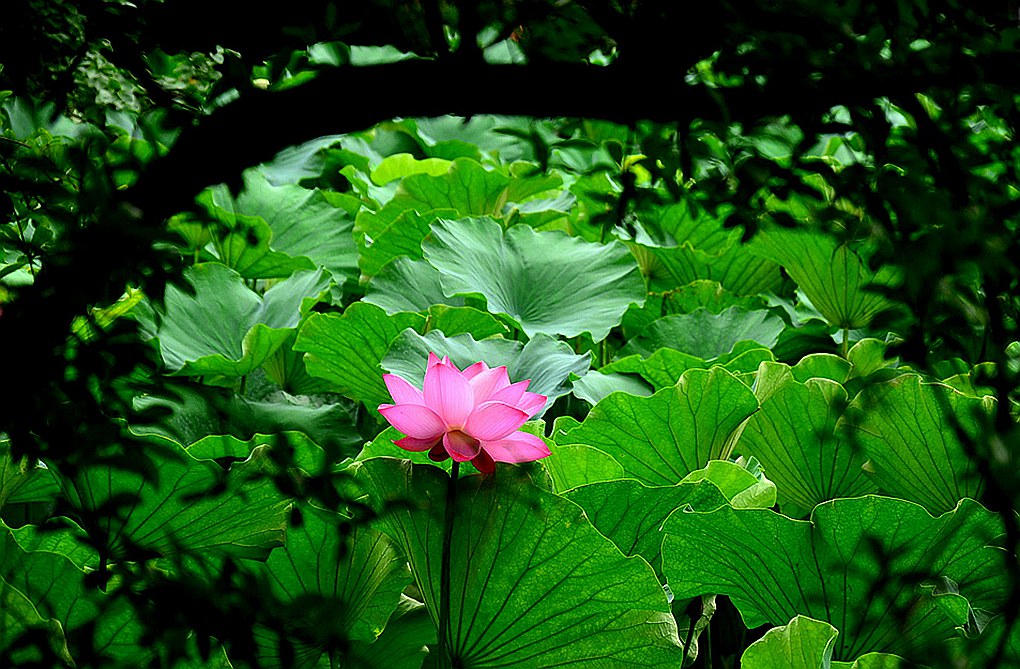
x: 471, y: 415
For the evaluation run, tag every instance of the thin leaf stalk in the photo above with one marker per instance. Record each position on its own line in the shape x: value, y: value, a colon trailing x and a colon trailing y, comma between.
x: 445, y: 656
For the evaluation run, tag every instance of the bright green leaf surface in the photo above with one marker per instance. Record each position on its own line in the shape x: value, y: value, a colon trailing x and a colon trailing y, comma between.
x: 546, y: 281
x: 225, y: 328
x: 774, y: 568
x: 594, y: 386
x: 664, y: 367
x: 908, y: 429
x: 392, y: 233
x: 401, y: 165
x: 408, y: 285
x: 303, y: 223
x: 453, y: 321
x: 743, y: 490
x: 834, y: 278
x: 467, y: 189
x: 706, y: 335
x: 793, y: 436
x: 662, y: 438
x: 190, y: 505
x: 631, y: 514
x: 572, y: 465
x: 805, y: 643
x: 822, y: 366
x: 533, y: 583
x: 346, y: 350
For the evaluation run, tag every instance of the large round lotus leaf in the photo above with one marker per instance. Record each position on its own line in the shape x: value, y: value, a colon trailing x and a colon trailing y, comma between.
x: 661, y: 439
x: 335, y: 586
x: 188, y: 506
x: 346, y: 350
x: 304, y: 223
x: 706, y: 335
x: 546, y: 281
x: 866, y: 565
x: 794, y: 437
x: 532, y: 583
x: 631, y: 514
x: 223, y: 327
x: 665, y: 366
x: 834, y: 277
x: 908, y: 429
x: 408, y: 285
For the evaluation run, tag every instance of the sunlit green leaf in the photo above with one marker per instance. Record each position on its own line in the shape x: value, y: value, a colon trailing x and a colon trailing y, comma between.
x: 662, y: 438
x: 631, y: 514
x: 909, y: 430
x: 225, y: 328
x: 706, y: 335
x: 859, y: 563
x: 547, y: 282
x: 794, y: 437
x: 346, y: 350
x: 834, y: 277
x: 532, y: 582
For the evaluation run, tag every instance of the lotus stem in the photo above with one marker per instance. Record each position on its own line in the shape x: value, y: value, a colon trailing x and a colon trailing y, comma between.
x: 445, y: 656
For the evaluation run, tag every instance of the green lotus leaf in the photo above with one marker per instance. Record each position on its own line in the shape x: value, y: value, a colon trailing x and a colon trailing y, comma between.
x: 302, y: 451
x: 224, y: 328
x: 699, y: 294
x: 58, y: 536
x: 573, y: 465
x: 661, y: 439
x: 21, y: 481
x: 53, y: 583
x: 408, y: 285
x: 453, y: 321
x: 705, y: 335
x: 834, y: 277
x: 402, y: 645
x: 56, y: 589
x: 805, y: 643
x: 742, y: 489
x: 546, y: 282
x: 866, y: 564
x: 794, y: 437
x: 164, y: 501
x: 631, y: 514
x: 190, y: 412
x: 286, y: 368
x: 822, y: 366
x: 401, y: 165
x: 548, y: 363
x: 346, y: 350
x: 665, y: 366
x: 335, y: 587
x: 737, y: 269
x: 595, y: 386
x: 466, y: 189
x: 244, y: 243
x: 18, y: 618
x: 393, y: 233
x: 908, y: 428
x: 532, y: 582
x: 304, y: 224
